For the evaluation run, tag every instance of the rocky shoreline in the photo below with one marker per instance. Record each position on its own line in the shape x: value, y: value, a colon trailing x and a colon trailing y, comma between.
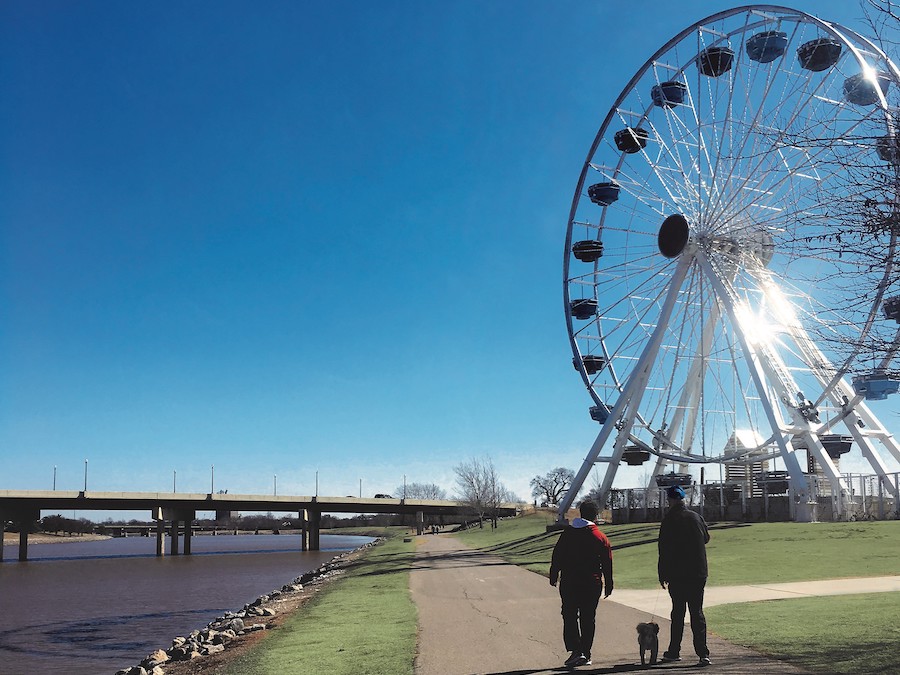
x: 189, y: 654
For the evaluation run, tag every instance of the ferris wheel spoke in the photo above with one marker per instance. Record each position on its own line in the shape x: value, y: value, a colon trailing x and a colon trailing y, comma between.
x: 772, y: 194
x: 740, y: 182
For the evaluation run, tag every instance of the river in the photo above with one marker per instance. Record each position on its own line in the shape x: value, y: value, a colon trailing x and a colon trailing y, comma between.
x: 95, y: 607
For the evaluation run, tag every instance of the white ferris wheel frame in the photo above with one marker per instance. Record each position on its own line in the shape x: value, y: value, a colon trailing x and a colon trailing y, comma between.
x: 770, y: 376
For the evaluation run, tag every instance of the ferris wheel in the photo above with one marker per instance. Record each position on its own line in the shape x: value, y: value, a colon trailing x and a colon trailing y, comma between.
x: 729, y: 254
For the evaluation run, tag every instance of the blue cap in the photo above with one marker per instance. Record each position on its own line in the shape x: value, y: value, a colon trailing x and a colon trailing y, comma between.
x: 675, y: 492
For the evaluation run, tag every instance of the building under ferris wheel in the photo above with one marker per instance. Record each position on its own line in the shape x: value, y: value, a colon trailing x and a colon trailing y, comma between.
x: 729, y: 262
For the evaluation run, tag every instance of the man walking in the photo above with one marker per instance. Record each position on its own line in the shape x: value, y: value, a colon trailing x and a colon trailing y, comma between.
x: 682, y: 565
x: 582, y: 564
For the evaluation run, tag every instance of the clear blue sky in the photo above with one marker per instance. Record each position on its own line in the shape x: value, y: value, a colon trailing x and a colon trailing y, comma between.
x: 299, y: 237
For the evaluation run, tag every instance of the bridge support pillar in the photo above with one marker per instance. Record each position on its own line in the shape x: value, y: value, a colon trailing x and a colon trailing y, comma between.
x: 24, y: 520
x: 173, y: 535
x: 160, y: 538
x: 304, y: 530
x: 310, y: 523
x: 175, y: 517
x: 156, y: 513
x: 315, y: 523
x: 420, y: 522
x: 187, y: 518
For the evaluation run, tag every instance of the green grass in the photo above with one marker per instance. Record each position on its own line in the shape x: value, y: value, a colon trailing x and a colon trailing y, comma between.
x: 363, y: 624
x: 738, y: 553
x: 836, y: 634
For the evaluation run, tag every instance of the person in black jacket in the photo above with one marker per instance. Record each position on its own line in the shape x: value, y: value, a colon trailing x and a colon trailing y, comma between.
x: 682, y: 566
x: 582, y: 564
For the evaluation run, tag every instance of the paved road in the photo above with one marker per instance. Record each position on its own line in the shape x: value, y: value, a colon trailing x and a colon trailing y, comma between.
x: 479, y: 614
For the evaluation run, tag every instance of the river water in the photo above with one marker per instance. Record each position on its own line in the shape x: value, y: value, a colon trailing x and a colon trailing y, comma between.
x: 95, y: 607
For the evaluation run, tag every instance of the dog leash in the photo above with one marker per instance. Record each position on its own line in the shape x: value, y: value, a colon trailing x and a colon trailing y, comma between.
x: 655, y: 603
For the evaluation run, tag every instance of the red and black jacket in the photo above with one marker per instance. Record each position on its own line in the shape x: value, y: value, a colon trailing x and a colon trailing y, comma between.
x: 582, y: 556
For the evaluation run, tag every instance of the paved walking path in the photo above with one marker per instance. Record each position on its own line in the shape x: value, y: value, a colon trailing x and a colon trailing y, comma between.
x: 723, y: 595
x: 479, y: 614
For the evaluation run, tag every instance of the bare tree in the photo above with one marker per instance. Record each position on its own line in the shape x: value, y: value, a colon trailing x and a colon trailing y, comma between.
x: 479, y: 486
x: 552, y: 486
x: 883, y: 18
x: 421, y: 491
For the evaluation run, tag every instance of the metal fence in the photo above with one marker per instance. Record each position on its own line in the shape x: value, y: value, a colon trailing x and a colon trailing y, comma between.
x: 868, y: 499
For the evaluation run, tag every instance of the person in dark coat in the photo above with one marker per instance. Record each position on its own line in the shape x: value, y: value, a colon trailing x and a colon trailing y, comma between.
x: 683, y: 536
x: 582, y: 564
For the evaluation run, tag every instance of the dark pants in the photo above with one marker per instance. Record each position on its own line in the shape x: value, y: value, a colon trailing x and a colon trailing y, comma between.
x: 688, y: 594
x: 579, y: 609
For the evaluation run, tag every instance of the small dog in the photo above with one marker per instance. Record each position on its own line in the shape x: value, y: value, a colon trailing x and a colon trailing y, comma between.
x: 648, y: 639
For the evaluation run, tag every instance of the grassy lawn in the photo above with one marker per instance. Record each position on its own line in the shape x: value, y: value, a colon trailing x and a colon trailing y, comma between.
x: 837, y: 634
x: 739, y: 553
x: 364, y: 623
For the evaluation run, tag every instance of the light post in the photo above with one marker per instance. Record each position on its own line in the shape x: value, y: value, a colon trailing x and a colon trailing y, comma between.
x: 212, y: 478
x: 54, y: 477
x: 317, y: 483
x: 275, y: 484
x: 85, y: 475
x: 360, y: 488
x: 174, y: 476
x: 404, y: 486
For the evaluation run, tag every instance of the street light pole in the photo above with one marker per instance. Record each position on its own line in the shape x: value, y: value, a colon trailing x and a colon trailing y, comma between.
x: 54, y: 477
x: 174, y: 476
x: 212, y: 478
x: 275, y: 484
x: 317, y: 483
x: 360, y: 488
x: 85, y: 475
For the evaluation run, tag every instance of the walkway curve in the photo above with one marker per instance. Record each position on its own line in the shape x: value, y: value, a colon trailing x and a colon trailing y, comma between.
x: 725, y: 595
x: 481, y: 615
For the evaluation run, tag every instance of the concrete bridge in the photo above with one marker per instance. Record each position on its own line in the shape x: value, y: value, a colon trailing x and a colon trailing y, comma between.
x: 176, y: 511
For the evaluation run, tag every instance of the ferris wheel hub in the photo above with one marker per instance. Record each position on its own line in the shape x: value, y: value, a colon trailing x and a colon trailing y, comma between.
x: 673, y: 235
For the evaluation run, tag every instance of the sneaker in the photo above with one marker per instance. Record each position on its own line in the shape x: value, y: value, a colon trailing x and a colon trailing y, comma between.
x: 668, y: 658
x: 704, y: 661
x: 573, y: 658
x: 587, y: 661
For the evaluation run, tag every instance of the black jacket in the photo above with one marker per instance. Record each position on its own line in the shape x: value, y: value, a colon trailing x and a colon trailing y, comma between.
x: 682, y: 545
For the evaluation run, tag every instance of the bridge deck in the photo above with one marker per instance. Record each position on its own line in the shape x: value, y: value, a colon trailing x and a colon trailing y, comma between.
x: 18, y: 500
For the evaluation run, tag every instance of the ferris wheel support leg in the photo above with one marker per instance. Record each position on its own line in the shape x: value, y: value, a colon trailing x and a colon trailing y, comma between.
x: 589, y: 461
x: 878, y: 464
x: 840, y: 496
x: 621, y: 417
x: 798, y: 481
x: 657, y: 470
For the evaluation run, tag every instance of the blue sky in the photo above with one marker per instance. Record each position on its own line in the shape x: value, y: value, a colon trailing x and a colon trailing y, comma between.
x: 299, y: 237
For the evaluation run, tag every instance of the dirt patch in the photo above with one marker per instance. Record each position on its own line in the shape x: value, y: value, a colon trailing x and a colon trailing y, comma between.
x: 12, y: 538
